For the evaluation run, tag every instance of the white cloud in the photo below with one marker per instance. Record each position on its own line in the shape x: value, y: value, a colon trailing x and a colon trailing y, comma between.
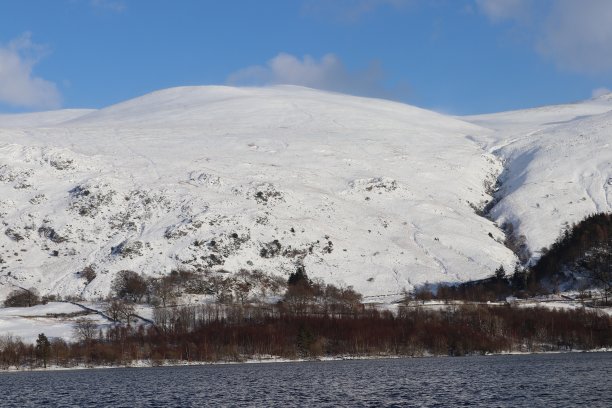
x: 328, y: 73
x: 575, y: 34
x: 18, y: 86
x: 498, y: 10
x: 350, y: 10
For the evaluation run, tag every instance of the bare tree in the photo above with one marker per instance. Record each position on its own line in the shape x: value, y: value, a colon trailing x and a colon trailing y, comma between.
x: 119, y: 310
x: 85, y: 330
x: 164, y: 289
x: 243, y: 285
x: 222, y: 288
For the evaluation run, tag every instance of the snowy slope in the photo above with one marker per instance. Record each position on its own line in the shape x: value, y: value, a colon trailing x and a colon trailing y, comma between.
x: 40, y: 119
x: 364, y: 192
x: 558, y: 166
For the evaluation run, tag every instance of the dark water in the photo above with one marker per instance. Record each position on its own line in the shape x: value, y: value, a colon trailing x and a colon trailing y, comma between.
x: 554, y: 380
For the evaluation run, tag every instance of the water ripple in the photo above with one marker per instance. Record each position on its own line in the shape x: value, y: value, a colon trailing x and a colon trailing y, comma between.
x: 560, y: 380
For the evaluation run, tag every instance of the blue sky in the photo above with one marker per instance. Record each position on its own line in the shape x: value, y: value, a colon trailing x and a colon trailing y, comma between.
x: 454, y: 56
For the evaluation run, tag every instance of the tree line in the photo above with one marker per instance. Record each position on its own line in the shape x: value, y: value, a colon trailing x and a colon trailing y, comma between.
x: 237, y: 333
x: 314, y: 320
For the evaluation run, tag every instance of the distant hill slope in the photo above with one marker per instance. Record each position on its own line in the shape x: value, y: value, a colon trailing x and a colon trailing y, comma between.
x: 363, y: 192
x: 40, y: 119
x: 558, y: 166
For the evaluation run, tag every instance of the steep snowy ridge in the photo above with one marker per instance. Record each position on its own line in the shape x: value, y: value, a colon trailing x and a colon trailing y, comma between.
x: 558, y: 167
x: 363, y: 192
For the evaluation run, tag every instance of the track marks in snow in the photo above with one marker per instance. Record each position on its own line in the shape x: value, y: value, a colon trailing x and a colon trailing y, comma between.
x: 415, y: 238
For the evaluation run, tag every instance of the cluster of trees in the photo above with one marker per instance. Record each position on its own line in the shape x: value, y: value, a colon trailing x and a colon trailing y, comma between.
x: 244, y: 286
x: 413, y: 331
x: 303, y: 297
x: 584, y: 248
x: 498, y: 287
x: 23, y: 298
x: 233, y: 333
x: 580, y: 258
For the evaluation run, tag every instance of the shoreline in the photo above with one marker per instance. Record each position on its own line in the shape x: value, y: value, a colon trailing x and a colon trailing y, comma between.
x: 273, y: 359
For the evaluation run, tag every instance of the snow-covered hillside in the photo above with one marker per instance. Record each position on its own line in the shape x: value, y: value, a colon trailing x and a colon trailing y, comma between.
x: 363, y: 192
x: 40, y: 119
x: 558, y: 166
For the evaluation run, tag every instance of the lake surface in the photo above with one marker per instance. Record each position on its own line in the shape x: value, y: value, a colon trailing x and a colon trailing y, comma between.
x: 543, y: 380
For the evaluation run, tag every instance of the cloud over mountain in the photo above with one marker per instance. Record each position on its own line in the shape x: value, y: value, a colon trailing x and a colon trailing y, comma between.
x: 19, y: 87
x: 575, y: 35
x: 328, y: 73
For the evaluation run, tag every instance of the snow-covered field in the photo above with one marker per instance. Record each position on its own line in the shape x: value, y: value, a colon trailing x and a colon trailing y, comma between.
x: 364, y: 192
x: 55, y: 320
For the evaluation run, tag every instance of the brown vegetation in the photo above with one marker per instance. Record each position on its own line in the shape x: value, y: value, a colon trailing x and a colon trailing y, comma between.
x: 22, y: 298
x: 232, y: 333
x: 315, y: 319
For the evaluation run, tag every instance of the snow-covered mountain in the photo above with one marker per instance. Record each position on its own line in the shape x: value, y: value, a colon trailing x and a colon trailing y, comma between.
x: 40, y: 119
x: 558, y: 166
x: 363, y: 192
